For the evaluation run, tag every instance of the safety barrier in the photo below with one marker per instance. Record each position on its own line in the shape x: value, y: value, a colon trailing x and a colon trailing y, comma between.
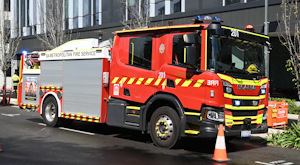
x: 277, y: 114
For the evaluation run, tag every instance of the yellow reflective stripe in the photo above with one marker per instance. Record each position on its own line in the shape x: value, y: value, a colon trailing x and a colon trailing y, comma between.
x: 247, y: 32
x: 230, y: 96
x: 160, y: 28
x: 133, y: 115
x: 263, y: 81
x: 191, y: 132
x: 242, y: 81
x: 132, y: 52
x: 184, y: 55
x: 157, y: 81
x: 149, y: 80
x: 139, y: 81
x: 177, y: 81
x: 198, y: 83
x: 122, y: 81
x: 164, y: 83
x: 259, y: 119
x: 133, y: 107
x: 192, y: 113
x: 130, y: 80
x: 115, y: 80
x: 244, y: 107
x: 187, y: 83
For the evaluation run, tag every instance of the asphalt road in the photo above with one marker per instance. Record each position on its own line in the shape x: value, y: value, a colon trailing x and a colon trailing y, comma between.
x: 24, y: 139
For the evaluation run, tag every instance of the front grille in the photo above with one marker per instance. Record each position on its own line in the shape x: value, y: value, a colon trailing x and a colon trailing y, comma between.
x: 244, y: 113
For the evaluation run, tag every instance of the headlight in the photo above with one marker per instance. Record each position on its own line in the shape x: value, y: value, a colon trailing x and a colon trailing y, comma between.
x: 227, y: 87
x: 263, y: 89
x: 216, y: 116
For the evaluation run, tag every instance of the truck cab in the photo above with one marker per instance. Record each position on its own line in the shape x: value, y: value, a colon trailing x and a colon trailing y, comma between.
x: 185, y: 80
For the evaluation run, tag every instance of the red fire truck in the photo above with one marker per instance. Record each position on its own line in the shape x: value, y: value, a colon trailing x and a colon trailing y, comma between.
x: 170, y: 82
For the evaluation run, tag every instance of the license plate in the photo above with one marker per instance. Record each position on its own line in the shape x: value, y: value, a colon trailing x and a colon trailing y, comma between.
x: 246, y: 133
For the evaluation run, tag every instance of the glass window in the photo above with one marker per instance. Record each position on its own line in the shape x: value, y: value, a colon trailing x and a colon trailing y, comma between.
x: 252, y: 0
x: 196, y: 5
x: 175, y: 6
x: 112, y: 11
x: 96, y: 12
x: 75, y: 14
x: 7, y: 5
x: 140, y: 52
x: 159, y: 7
x: 235, y: 56
x: 86, y: 13
x: 229, y: 2
x: 136, y: 8
x: 22, y: 13
x: 179, y: 51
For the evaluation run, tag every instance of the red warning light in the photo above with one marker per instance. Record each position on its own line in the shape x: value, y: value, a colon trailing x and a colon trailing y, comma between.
x: 249, y: 28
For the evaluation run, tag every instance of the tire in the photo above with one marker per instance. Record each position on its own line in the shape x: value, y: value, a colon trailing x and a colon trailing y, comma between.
x: 50, y: 112
x: 165, y: 127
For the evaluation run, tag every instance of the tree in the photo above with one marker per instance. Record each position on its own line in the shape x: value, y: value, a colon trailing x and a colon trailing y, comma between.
x: 8, y: 44
x: 137, y: 14
x: 52, y: 24
x: 290, y: 38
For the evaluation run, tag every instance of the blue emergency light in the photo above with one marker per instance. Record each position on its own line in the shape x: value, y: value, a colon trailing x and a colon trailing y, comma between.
x: 216, y: 19
x: 201, y: 19
x: 24, y: 52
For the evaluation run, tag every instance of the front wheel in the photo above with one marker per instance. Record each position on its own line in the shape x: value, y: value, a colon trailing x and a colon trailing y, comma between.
x: 165, y: 127
x: 50, y: 112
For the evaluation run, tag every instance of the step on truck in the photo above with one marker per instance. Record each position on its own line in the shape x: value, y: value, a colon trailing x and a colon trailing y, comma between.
x: 171, y: 82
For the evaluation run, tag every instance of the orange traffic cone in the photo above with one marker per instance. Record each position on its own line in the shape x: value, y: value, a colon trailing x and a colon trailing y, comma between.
x: 220, y: 154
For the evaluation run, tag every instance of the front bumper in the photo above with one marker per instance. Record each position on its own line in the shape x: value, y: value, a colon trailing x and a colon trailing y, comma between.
x: 196, y: 126
x: 209, y: 129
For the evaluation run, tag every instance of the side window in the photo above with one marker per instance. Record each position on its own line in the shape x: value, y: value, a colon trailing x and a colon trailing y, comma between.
x: 179, y: 51
x: 140, y: 52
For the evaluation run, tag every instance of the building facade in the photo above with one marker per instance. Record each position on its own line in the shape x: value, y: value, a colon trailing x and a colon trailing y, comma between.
x: 5, y: 17
x: 100, y: 18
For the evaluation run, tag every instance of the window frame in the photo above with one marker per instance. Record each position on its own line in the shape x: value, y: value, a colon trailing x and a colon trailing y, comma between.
x: 130, y: 62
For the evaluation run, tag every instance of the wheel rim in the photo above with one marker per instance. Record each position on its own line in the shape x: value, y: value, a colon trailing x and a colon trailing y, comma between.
x: 50, y: 112
x: 164, y: 127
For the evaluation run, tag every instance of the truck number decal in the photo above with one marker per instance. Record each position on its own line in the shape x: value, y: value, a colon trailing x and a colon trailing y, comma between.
x: 234, y: 33
x: 162, y: 75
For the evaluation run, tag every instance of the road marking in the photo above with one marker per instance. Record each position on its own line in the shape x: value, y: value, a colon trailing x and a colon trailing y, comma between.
x: 42, y: 124
x: 71, y: 130
x: 277, y: 162
x: 10, y: 115
x: 77, y: 131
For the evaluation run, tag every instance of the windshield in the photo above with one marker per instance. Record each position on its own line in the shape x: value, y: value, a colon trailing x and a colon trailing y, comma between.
x: 235, y: 57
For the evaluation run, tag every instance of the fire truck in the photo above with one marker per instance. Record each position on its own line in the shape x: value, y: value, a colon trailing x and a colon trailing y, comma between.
x: 171, y: 82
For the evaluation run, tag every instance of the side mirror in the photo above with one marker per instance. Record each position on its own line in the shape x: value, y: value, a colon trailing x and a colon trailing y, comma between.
x: 190, y: 55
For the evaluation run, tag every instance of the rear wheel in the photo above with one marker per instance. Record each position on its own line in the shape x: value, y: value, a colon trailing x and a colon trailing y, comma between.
x: 50, y: 112
x: 165, y: 127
